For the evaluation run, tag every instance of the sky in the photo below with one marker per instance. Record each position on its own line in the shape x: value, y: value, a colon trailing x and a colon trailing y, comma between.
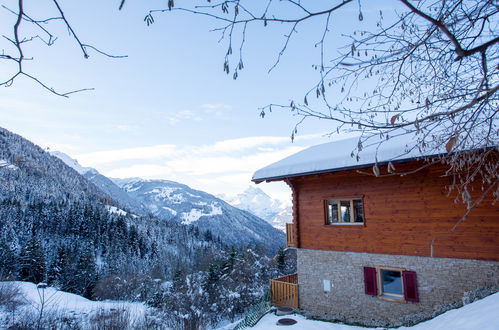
x: 167, y: 110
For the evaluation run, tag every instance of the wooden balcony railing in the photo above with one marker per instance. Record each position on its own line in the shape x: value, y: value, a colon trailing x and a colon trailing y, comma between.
x: 284, y: 291
x: 290, y: 241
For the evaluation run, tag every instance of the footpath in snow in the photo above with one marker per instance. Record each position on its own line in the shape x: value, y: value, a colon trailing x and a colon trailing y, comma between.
x: 480, y: 315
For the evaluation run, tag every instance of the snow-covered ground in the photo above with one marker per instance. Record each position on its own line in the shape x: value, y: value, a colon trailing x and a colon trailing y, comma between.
x: 480, y: 315
x: 55, y: 302
x: 115, y: 210
x: 6, y: 164
x: 194, y: 214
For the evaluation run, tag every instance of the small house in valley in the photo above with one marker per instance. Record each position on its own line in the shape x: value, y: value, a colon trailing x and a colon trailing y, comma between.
x: 385, y: 249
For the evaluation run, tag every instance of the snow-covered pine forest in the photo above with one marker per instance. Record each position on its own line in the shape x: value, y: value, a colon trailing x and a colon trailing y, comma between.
x: 58, y: 227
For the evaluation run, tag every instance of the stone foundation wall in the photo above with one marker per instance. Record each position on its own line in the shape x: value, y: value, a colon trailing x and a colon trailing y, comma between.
x: 443, y: 283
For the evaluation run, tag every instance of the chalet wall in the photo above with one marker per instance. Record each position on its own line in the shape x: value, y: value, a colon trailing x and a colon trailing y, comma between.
x: 443, y: 283
x: 402, y: 215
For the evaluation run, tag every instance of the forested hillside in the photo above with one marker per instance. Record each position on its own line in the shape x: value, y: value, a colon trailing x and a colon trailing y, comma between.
x: 58, y: 227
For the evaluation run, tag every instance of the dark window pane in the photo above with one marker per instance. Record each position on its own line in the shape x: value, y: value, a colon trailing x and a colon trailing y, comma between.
x: 391, y: 281
x: 358, y: 210
x: 345, y: 211
x: 332, y: 212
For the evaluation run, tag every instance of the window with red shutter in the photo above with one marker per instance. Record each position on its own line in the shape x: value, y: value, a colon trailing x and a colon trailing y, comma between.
x: 410, y: 286
x: 370, y: 283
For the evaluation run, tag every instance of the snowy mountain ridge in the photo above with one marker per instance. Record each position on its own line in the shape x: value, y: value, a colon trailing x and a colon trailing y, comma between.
x: 102, y: 182
x: 71, y: 162
x: 173, y: 201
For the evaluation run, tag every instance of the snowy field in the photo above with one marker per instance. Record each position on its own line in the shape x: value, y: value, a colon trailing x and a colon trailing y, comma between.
x: 31, y: 301
x: 480, y: 315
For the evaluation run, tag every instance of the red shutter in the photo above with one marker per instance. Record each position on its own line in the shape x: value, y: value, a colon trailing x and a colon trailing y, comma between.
x: 370, y: 283
x: 410, y: 286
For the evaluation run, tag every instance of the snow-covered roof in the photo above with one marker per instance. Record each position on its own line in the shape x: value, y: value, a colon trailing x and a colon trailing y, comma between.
x: 342, y: 155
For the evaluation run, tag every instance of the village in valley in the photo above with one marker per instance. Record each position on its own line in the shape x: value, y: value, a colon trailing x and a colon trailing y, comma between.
x: 227, y: 165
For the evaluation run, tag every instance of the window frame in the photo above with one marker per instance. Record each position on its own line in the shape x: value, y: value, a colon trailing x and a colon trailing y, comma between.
x: 338, y: 200
x: 390, y: 296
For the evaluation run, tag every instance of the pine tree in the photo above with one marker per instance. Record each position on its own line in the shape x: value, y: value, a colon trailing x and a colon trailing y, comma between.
x: 208, y: 236
x: 85, y: 272
x: 8, y: 262
x: 281, y: 260
x: 58, y: 268
x: 32, y: 261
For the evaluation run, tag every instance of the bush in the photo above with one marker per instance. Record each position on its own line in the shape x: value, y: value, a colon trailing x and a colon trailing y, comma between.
x: 128, y: 287
x: 113, y: 319
x: 11, y: 296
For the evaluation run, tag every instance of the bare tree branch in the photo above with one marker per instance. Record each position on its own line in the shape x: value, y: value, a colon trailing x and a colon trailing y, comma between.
x: 47, y: 37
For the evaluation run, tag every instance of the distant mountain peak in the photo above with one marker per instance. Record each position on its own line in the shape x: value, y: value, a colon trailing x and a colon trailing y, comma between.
x: 257, y: 202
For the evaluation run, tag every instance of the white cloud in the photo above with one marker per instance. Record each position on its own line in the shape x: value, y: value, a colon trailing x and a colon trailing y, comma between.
x: 221, y: 167
x: 230, y: 155
x: 176, y: 117
x: 140, y: 153
x: 262, y: 143
x: 243, y: 143
x: 243, y: 179
x: 217, y: 109
x: 144, y: 171
x: 199, y: 165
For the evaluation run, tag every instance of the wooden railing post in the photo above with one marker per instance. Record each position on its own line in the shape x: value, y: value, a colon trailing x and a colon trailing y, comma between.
x: 290, y: 242
x: 284, y: 291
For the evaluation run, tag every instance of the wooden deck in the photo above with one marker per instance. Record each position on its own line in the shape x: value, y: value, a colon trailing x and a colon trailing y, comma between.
x: 284, y: 291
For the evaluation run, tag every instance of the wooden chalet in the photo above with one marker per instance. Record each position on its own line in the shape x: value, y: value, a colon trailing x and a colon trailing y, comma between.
x: 385, y: 250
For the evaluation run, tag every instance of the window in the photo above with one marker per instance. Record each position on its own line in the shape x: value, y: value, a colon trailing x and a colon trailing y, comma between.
x: 344, y: 211
x: 391, y: 283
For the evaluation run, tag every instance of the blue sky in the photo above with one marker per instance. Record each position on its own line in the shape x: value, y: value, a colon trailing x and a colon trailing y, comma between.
x: 167, y: 110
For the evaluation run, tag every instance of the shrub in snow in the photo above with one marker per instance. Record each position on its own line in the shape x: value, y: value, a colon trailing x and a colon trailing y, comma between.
x: 113, y: 319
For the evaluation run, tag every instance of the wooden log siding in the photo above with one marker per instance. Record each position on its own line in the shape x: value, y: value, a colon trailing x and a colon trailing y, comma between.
x: 296, y: 220
x: 290, y: 239
x: 402, y: 215
x: 284, y: 291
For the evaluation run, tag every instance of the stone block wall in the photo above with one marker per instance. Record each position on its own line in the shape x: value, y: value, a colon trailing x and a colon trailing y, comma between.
x: 443, y: 284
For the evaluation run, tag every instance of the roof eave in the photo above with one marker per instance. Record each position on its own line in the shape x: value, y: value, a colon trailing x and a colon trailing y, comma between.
x: 345, y: 168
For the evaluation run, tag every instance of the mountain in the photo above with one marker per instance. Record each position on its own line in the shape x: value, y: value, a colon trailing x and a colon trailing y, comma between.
x: 174, y: 201
x: 257, y: 202
x: 103, y: 183
x: 283, y: 217
x: 32, y: 175
x: 73, y: 163
x: 52, y: 219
